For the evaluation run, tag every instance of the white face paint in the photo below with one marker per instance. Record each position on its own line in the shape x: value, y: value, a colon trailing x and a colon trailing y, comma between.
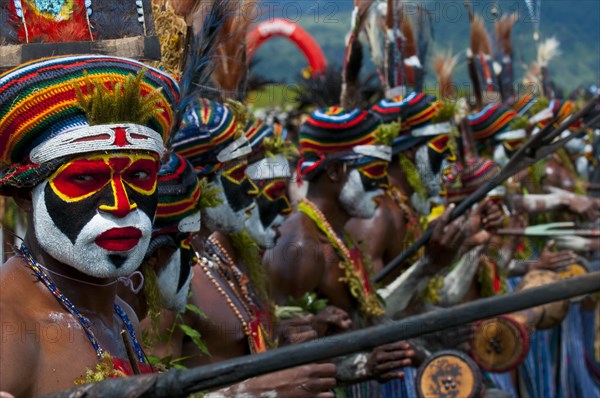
x: 168, y: 279
x: 222, y: 217
x: 355, y: 200
x: 265, y: 237
x: 85, y: 255
x: 500, y: 156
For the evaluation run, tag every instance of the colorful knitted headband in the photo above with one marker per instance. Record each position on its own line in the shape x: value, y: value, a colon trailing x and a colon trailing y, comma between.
x: 178, y: 197
x: 523, y: 104
x: 561, y: 110
x: 493, y: 119
x: 270, y: 151
x: 392, y: 111
x: 207, y: 136
x: 41, y: 119
x: 460, y: 181
x: 257, y: 130
x: 334, y: 133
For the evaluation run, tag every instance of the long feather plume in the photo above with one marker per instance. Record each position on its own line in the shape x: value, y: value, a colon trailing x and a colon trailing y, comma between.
x: 408, y: 31
x: 480, y: 40
x: 374, y: 31
x: 547, y: 51
x: 195, y: 80
x: 444, y: 64
x: 184, y: 8
x: 354, y: 56
x: 503, y: 29
x: 231, y: 69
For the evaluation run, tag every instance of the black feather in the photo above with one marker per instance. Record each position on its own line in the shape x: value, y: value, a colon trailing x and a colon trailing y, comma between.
x: 350, y: 95
x: 195, y: 79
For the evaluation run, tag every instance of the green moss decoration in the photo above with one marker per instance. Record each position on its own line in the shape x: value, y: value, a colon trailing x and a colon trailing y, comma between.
x: 154, y: 304
x: 276, y: 145
x: 446, y: 111
x: 249, y: 252
x: 412, y: 176
x: 209, y: 196
x: 541, y: 104
x: 431, y: 294
x: 386, y: 133
x: 124, y: 102
x: 241, y: 116
x: 520, y: 122
x: 104, y: 370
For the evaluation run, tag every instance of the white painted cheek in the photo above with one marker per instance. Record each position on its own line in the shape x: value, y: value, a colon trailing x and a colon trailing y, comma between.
x: 168, y: 278
x: 264, y: 237
x: 84, y: 255
x: 222, y: 217
x: 357, y: 202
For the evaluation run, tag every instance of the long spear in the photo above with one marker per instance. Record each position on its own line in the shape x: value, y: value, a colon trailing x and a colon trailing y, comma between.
x: 536, y: 148
x: 178, y: 383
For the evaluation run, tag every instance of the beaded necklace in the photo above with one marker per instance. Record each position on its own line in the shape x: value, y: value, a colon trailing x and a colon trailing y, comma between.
x: 238, y: 291
x: 355, y: 275
x: 70, y: 307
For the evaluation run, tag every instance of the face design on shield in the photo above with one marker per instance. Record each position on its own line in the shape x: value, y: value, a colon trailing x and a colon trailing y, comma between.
x: 175, y: 274
x: 95, y: 212
x: 237, y: 193
x: 365, y: 182
x: 272, y: 205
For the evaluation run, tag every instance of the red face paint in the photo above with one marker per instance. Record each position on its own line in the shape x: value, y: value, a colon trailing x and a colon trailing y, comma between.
x: 82, y: 178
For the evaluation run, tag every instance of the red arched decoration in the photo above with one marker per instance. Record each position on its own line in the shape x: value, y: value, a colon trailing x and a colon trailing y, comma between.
x: 283, y: 28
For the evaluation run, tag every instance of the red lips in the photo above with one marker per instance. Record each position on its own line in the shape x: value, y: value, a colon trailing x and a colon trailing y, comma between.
x: 119, y: 239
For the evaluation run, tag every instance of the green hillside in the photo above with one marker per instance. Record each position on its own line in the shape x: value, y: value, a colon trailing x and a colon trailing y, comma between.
x: 575, y: 23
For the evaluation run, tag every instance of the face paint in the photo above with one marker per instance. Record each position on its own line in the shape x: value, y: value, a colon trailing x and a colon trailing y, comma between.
x: 239, y: 190
x: 95, y: 213
x: 355, y: 199
x: 374, y: 175
x: 236, y: 193
x: 272, y: 205
x: 175, y: 276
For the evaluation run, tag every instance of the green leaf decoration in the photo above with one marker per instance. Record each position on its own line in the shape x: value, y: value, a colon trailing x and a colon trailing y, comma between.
x: 195, y: 310
x: 196, y: 338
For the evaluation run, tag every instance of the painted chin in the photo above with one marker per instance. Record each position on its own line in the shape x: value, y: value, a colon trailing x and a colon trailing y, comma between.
x: 117, y: 251
x: 223, y: 218
x: 119, y: 239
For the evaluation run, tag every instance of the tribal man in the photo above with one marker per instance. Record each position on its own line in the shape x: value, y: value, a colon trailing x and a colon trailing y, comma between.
x: 81, y: 138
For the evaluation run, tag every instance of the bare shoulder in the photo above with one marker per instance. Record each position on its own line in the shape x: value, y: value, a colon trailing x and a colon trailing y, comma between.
x: 300, y: 244
x: 297, y: 262
x: 18, y: 352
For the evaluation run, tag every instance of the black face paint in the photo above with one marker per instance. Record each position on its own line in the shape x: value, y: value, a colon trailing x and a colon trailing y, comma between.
x: 239, y: 196
x: 70, y: 218
x: 186, y: 259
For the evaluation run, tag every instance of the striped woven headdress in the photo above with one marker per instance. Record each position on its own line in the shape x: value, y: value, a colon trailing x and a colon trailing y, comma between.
x: 493, y: 119
x: 333, y: 133
x: 391, y: 111
x: 42, y: 120
x: 271, y: 151
x: 561, y: 110
x: 206, y: 130
x: 462, y: 180
x: 178, y: 197
x: 524, y: 103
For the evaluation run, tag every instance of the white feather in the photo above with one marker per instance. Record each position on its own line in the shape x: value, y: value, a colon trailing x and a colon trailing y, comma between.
x: 548, y: 50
